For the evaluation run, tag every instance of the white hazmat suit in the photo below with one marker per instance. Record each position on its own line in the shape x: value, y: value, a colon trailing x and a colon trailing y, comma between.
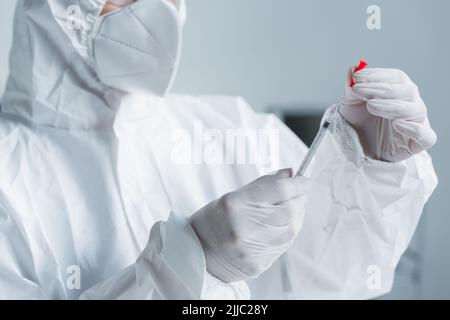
x: 93, y: 206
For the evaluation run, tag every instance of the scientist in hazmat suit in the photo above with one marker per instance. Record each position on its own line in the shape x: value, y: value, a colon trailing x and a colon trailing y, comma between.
x: 97, y: 202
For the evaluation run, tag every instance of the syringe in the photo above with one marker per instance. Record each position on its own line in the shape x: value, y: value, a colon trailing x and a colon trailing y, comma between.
x: 313, y: 149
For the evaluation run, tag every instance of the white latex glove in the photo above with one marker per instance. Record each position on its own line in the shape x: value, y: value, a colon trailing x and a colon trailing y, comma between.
x: 386, y: 110
x: 245, y: 231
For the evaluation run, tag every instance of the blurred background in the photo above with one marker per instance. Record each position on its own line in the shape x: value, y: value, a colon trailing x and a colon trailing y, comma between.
x: 291, y: 57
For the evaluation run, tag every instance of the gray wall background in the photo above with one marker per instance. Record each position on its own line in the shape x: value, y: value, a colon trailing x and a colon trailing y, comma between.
x: 295, y: 54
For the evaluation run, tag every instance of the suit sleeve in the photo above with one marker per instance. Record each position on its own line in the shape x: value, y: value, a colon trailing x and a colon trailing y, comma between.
x: 172, y: 266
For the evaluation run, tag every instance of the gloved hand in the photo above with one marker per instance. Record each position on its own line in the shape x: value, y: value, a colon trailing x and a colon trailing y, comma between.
x: 245, y: 231
x: 386, y: 110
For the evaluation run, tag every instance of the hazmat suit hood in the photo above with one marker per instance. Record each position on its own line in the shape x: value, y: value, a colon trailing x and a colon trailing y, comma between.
x: 53, y: 82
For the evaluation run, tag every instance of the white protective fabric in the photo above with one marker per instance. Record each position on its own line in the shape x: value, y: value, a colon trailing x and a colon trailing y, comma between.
x: 85, y: 174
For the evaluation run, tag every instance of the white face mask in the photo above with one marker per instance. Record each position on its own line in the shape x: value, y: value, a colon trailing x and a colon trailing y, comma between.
x: 136, y: 49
